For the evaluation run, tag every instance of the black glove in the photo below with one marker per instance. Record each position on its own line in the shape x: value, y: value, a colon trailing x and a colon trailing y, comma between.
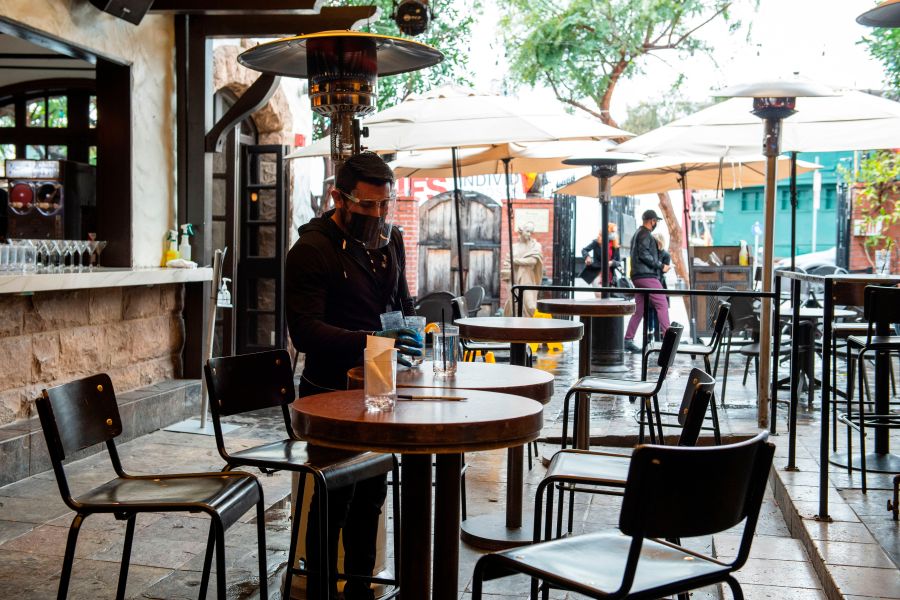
x: 406, y: 343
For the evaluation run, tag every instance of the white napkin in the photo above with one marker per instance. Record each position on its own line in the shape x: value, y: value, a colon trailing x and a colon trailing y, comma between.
x: 379, y: 364
x: 180, y: 263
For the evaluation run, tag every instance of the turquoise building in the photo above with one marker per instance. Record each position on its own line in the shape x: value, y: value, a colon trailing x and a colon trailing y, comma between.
x: 743, y: 207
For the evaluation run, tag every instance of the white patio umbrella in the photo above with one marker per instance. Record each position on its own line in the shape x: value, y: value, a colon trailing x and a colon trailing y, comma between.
x: 450, y: 117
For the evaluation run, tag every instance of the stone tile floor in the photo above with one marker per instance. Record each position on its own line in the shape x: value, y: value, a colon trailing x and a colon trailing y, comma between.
x: 167, y: 554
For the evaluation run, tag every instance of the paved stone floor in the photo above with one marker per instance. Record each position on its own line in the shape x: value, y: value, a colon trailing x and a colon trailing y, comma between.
x: 168, y: 549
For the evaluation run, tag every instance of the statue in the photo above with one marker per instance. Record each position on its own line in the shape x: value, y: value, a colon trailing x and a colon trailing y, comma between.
x: 529, y: 269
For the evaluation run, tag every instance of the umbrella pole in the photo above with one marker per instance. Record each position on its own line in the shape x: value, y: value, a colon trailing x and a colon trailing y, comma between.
x: 456, y: 201
x: 509, y: 225
x: 687, y: 245
x: 793, y: 210
x: 771, y: 136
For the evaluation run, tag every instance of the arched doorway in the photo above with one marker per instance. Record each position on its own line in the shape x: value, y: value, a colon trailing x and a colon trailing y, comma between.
x: 480, y: 219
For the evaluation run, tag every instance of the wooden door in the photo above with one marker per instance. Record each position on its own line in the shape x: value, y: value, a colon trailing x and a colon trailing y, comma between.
x: 480, y: 218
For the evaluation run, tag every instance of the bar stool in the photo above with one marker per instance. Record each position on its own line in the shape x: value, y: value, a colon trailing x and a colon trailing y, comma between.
x: 624, y: 387
x: 240, y: 384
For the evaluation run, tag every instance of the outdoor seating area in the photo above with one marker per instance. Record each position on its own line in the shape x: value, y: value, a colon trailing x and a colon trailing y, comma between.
x: 450, y: 300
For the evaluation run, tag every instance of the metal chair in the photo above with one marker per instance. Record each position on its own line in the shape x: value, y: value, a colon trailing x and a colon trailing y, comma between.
x: 625, y: 387
x: 669, y: 494
x: 83, y: 413
x: 881, y: 309
x: 571, y: 468
x: 239, y: 384
x: 433, y: 305
x: 474, y: 298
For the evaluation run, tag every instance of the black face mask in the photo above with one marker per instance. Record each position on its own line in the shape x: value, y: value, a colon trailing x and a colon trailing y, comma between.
x: 371, y: 232
x: 655, y: 223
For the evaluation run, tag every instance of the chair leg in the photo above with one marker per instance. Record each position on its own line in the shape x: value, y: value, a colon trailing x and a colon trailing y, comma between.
x: 565, y: 425
x: 395, y: 509
x: 126, y: 558
x: 69, y: 556
x: 462, y: 494
x: 261, y: 546
x: 725, y: 368
x: 295, y: 532
x: 207, y: 561
x: 220, y: 558
x: 530, y: 463
x: 736, y: 592
x: 861, y: 367
x: 756, y: 372
x: 641, y: 418
x: 746, y: 370
x: 714, y: 413
x: 658, y: 417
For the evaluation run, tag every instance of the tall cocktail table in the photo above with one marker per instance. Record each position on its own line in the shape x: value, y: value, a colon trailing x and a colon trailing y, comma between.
x: 496, y: 531
x: 419, y: 429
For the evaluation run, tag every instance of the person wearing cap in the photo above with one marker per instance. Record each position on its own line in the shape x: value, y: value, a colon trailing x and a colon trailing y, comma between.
x: 347, y: 267
x: 646, y: 267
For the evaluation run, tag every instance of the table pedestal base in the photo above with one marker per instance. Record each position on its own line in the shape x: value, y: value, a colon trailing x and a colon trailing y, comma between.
x: 489, y: 532
x: 608, y: 345
x: 875, y: 463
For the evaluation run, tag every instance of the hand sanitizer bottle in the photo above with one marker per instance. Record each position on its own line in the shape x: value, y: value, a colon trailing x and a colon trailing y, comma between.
x: 187, y: 230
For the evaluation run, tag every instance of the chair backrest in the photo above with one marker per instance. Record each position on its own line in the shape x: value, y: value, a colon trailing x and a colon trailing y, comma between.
x: 474, y: 297
x: 431, y: 305
x: 881, y: 307
x: 678, y: 492
x: 460, y: 308
x: 699, y: 392
x: 669, y: 348
x: 741, y: 316
x: 239, y: 384
x: 719, y: 323
x: 77, y: 415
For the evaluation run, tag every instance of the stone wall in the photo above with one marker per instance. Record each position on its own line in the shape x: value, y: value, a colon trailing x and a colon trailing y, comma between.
x: 134, y: 334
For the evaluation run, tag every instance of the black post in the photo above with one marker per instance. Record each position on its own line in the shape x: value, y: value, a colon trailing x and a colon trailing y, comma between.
x: 603, y: 195
x: 826, y: 399
x: 773, y: 424
x: 682, y: 179
x: 795, y: 371
x: 509, y: 225
x: 456, y: 201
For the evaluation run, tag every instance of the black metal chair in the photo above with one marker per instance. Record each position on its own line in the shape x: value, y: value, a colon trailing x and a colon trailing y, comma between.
x: 669, y: 494
x: 881, y: 309
x: 239, y: 384
x: 433, y: 305
x: 571, y: 468
x: 474, y: 298
x: 625, y: 387
x: 83, y: 413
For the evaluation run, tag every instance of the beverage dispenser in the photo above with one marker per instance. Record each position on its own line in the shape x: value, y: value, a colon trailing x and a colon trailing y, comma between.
x: 50, y: 199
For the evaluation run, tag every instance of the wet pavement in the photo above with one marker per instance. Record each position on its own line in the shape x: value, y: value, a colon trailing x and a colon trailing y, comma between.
x: 846, y: 559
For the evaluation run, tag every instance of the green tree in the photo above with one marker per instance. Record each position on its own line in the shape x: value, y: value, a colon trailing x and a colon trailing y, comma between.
x: 649, y: 115
x: 884, y: 45
x: 450, y: 27
x: 582, y: 49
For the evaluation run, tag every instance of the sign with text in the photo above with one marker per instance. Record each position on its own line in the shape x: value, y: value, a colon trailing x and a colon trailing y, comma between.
x: 493, y: 186
x: 539, y: 217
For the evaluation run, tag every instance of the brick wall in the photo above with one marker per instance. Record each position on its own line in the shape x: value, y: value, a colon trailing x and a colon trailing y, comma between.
x: 858, y: 259
x: 407, y: 218
x: 134, y: 334
x: 545, y: 239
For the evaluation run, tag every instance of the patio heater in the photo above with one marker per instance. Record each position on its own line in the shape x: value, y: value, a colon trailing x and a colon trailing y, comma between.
x: 773, y: 101
x: 886, y: 14
x: 343, y: 68
x: 608, y: 348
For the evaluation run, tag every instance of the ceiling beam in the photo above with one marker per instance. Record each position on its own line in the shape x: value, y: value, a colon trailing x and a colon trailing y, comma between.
x: 278, y: 25
x: 234, y: 7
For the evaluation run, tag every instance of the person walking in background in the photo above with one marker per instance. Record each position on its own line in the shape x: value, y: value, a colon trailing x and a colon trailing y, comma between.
x: 666, y: 259
x: 592, y: 257
x: 646, y: 269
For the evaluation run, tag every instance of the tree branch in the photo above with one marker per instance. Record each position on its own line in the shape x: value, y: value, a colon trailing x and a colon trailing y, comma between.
x: 571, y: 102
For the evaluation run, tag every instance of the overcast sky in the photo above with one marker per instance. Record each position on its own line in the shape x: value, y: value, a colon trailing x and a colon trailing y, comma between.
x: 817, y: 38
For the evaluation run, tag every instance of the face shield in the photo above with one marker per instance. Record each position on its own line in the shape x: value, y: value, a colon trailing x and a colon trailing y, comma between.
x: 369, y: 221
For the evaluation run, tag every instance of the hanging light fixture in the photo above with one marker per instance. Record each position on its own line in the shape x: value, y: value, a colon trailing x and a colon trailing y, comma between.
x: 343, y: 68
x: 886, y: 14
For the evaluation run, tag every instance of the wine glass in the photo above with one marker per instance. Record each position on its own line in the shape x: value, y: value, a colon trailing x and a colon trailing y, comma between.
x: 84, y: 255
x: 54, y: 256
x: 100, y: 246
x: 68, y: 259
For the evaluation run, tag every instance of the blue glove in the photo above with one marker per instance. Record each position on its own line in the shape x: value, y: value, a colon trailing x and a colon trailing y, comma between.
x: 407, y: 342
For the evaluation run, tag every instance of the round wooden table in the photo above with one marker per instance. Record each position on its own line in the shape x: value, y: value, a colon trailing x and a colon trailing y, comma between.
x: 495, y: 531
x: 588, y: 310
x: 419, y: 429
x: 488, y: 531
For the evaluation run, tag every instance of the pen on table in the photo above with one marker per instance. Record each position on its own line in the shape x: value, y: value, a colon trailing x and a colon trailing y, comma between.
x: 428, y: 397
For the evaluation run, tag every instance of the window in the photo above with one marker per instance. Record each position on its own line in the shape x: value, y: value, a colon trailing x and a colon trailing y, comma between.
x: 7, y: 151
x: 829, y: 194
x: 57, y: 111
x: 751, y: 201
x: 8, y: 115
x: 36, y: 113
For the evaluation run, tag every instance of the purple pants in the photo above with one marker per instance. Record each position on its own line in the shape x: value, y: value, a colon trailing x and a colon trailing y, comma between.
x: 657, y: 300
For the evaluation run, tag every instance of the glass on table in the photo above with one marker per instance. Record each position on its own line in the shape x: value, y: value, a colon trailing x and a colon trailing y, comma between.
x: 417, y: 324
x: 392, y: 320
x: 380, y: 379
x: 446, y: 351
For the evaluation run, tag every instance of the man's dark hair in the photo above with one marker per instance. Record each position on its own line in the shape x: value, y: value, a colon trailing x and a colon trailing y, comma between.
x: 367, y: 167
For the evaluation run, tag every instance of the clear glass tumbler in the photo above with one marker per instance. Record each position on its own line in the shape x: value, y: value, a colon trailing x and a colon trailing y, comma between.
x: 380, y: 379
x: 446, y: 351
x: 417, y: 324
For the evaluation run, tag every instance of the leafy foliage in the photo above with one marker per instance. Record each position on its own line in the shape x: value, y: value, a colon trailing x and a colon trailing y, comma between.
x: 884, y: 45
x: 583, y: 48
x: 649, y: 115
x: 878, y: 199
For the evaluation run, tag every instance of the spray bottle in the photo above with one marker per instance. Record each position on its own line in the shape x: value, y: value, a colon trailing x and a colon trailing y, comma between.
x: 172, y: 251
x: 187, y: 230
x: 744, y: 255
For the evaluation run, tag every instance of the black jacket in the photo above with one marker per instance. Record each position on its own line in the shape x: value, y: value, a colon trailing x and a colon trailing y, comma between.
x: 333, y: 300
x: 591, y: 271
x: 645, y: 259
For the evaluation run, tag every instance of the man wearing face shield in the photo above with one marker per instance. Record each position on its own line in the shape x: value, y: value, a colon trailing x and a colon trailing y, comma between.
x: 346, y: 269
x: 646, y: 265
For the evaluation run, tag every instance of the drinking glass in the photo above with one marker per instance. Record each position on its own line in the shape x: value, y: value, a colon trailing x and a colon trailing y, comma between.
x: 100, y: 247
x: 417, y: 324
x: 446, y: 351
x: 67, y: 262
x: 54, y: 256
x: 92, y: 247
x: 27, y: 253
x: 4, y: 258
x: 380, y: 379
x: 392, y: 320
